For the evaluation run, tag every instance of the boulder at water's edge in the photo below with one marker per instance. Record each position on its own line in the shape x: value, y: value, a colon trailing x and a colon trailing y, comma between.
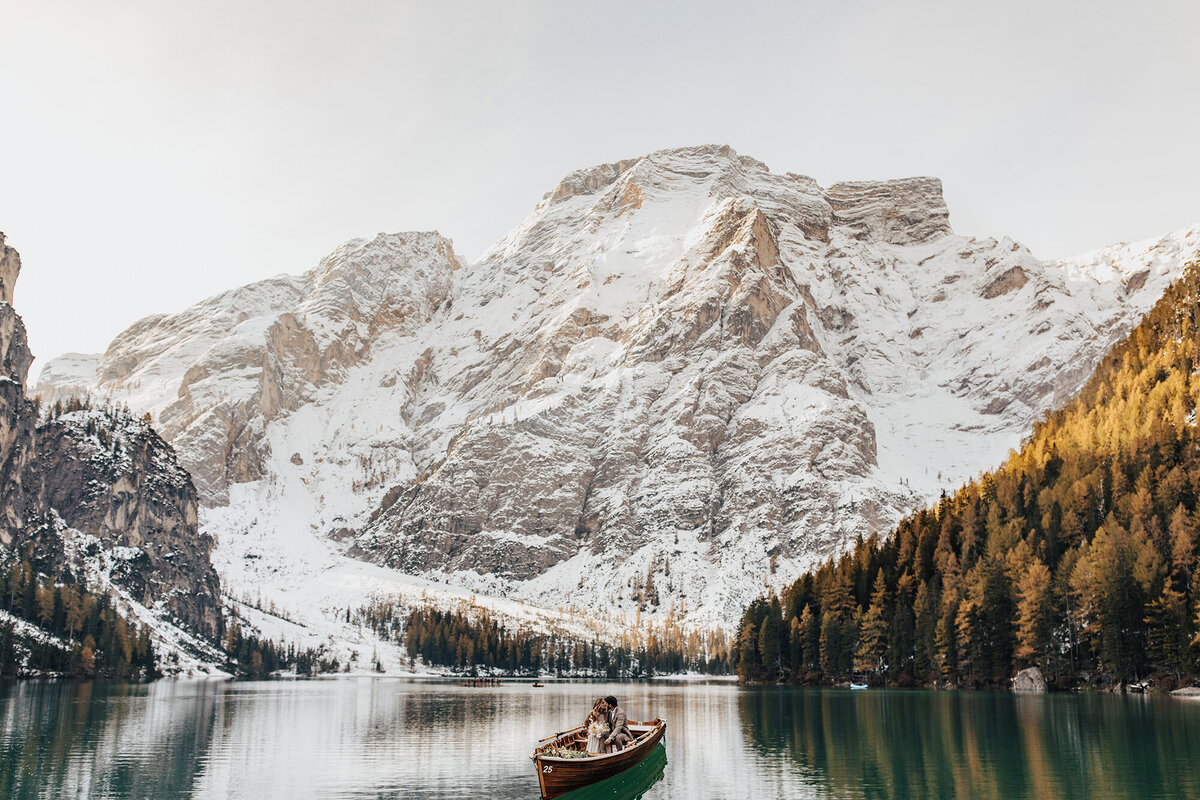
x: 1029, y: 681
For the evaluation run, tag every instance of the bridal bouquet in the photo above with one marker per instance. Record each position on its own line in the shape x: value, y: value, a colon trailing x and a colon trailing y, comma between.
x: 598, y: 728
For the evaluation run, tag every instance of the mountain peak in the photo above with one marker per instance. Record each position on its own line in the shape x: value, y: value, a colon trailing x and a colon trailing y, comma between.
x: 694, y: 162
x: 895, y: 211
x: 387, y: 253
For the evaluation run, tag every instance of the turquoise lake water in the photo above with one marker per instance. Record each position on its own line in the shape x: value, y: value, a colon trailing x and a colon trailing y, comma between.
x: 392, y: 738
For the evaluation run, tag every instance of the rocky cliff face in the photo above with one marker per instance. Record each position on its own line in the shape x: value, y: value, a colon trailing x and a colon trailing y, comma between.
x: 681, y: 377
x: 93, y: 485
x: 18, y: 416
x: 108, y: 474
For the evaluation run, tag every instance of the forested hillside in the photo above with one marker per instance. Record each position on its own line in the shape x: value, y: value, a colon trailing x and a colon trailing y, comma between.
x: 65, y: 629
x: 472, y: 640
x: 1078, y: 555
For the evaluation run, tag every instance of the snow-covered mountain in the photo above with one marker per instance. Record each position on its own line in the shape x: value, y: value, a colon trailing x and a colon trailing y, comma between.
x: 680, y: 378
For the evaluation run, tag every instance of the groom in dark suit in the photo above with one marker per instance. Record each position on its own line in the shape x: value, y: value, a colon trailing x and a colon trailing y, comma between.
x: 618, y: 735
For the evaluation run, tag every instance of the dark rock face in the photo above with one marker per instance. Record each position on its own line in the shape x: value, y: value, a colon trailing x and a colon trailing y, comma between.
x: 106, y: 474
x: 110, y: 475
x: 17, y: 414
x: 10, y: 268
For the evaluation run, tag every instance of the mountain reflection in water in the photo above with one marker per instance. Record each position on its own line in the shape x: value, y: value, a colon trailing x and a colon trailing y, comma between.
x: 392, y: 738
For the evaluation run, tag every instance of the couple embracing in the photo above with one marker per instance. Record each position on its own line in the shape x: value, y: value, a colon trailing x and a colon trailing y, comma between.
x: 607, y: 727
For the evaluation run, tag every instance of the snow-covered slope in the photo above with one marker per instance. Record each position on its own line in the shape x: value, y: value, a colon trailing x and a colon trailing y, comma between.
x: 69, y: 375
x: 682, y: 377
x: 215, y: 374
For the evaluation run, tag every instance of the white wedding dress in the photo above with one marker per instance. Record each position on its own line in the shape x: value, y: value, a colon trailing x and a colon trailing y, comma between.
x: 596, y: 733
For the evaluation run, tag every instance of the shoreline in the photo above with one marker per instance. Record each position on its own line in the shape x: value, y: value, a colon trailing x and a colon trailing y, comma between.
x: 428, y: 677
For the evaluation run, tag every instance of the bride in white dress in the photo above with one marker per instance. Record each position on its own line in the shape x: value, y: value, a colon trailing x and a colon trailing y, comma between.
x: 597, y: 728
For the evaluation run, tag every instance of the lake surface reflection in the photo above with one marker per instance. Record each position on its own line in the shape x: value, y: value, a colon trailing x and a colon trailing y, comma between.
x: 390, y: 738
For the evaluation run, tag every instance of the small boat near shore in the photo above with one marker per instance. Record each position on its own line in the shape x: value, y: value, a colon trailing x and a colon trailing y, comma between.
x: 559, y: 775
x: 858, y: 686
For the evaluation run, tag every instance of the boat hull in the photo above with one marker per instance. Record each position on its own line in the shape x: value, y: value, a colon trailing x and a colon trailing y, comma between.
x: 558, y: 776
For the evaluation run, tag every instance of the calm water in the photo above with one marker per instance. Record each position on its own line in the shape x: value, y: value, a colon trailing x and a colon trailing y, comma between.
x: 388, y: 738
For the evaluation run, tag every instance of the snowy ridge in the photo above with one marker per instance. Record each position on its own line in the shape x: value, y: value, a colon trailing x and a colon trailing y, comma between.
x: 69, y: 375
x: 680, y: 379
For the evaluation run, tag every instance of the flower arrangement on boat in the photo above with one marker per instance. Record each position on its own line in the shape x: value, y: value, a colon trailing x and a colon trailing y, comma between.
x: 554, y: 751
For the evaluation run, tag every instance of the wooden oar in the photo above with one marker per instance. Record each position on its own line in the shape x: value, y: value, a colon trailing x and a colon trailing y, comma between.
x: 556, y: 735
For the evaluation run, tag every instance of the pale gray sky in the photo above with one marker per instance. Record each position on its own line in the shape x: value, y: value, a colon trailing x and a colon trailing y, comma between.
x: 153, y: 153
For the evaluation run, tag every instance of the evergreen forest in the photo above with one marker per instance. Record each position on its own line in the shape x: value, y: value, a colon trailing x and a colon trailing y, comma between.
x: 471, y: 640
x: 1078, y: 555
x: 66, y: 629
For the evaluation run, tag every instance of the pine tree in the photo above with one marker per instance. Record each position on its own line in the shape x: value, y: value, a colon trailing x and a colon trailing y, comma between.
x: 768, y: 644
x: 831, y: 645
x: 1109, y: 602
x: 75, y: 612
x: 796, y: 633
x: 872, y: 642
x: 749, y: 664
x: 29, y: 587
x: 946, y: 642
x: 87, y: 656
x: 925, y: 641
x: 810, y: 647
x: 1167, y: 632
x: 1035, y: 614
x: 901, y: 638
x: 1182, y: 549
x: 45, y: 604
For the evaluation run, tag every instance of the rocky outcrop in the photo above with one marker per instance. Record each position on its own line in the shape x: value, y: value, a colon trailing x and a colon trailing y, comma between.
x: 1010, y: 280
x: 1029, y: 681
x: 106, y: 475
x: 909, y: 211
x: 680, y: 371
x: 17, y: 422
x: 10, y: 268
x: 696, y: 401
x: 589, y: 181
x: 18, y: 416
